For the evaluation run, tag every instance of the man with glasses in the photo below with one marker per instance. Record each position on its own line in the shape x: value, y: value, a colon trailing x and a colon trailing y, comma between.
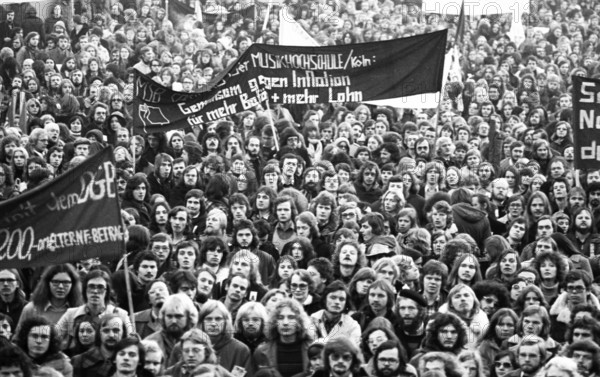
x: 97, y: 290
x: 388, y: 361
x: 161, y: 246
x: 12, y: 299
x: 146, y: 321
x: 98, y: 114
x: 577, y: 292
x: 38, y: 143
x: 341, y: 358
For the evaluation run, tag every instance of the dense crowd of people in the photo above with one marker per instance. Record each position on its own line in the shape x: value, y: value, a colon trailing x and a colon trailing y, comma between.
x: 326, y: 240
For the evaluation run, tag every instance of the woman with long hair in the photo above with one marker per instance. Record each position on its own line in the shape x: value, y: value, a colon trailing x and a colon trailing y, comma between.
x: 59, y: 288
x: 301, y: 250
x: 359, y: 286
x: 552, y: 270
x: 286, y: 265
x: 466, y: 270
x: 39, y: 339
x: 463, y: 302
x: 159, y: 217
x: 502, y: 326
x: 530, y: 295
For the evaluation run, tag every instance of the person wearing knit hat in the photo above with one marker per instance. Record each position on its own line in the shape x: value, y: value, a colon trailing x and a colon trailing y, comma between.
x: 82, y: 146
x: 411, y: 309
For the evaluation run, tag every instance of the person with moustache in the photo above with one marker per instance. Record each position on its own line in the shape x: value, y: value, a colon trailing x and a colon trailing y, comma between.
x: 499, y: 189
x: 177, y: 315
x: 388, y: 361
x: 97, y: 115
x: 145, y: 269
x: 253, y: 155
x: 366, y: 186
x: 341, y: 358
x: 332, y: 321
x: 412, y: 313
x: 147, y: 321
x: 97, y: 361
x: 250, y: 323
x: 445, y: 333
x: 311, y: 183
x: 583, y: 232
x: 381, y: 298
x: 6, y: 28
x: 531, y: 355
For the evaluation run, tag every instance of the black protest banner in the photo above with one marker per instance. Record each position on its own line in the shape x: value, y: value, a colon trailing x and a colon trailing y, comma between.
x: 299, y: 75
x: 76, y: 216
x: 586, y: 122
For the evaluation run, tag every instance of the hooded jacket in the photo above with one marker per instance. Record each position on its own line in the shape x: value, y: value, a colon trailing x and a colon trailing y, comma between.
x: 472, y: 221
x: 560, y: 315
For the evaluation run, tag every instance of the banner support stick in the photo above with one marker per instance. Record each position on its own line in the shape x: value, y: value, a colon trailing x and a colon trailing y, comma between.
x: 273, y: 126
x: 128, y: 287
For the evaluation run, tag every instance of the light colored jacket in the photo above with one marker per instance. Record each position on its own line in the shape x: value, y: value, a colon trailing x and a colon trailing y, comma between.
x: 347, y: 328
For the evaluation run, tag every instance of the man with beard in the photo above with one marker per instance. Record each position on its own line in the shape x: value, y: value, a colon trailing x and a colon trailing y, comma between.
x: 146, y: 54
x: 381, y: 298
x: 253, y: 155
x: 79, y: 89
x: 178, y: 166
x: 250, y: 323
x: 445, y: 333
x: 98, y: 360
x: 366, y: 186
x: 411, y: 325
x: 6, y: 28
x: 583, y: 231
x: 531, y: 355
x: 310, y: 184
x: 499, y: 192
x: 517, y: 151
x: 577, y: 285
x: 216, y: 224
x: 423, y: 149
x: 341, y: 358
x: 145, y: 268
x: 586, y: 354
x: 236, y: 288
x: 146, y: 321
x: 288, y: 338
x: 244, y: 237
x: 388, y: 361
x: 210, y: 143
x: 332, y: 322
x: 98, y: 116
x: 177, y: 315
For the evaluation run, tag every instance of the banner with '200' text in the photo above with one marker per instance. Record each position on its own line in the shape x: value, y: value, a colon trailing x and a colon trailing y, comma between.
x: 76, y: 216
